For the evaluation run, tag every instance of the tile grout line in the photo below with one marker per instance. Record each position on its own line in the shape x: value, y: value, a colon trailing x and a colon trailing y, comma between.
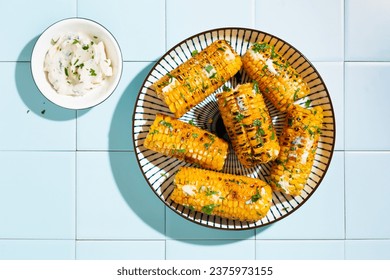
x: 344, y: 134
x: 254, y: 26
x: 166, y: 44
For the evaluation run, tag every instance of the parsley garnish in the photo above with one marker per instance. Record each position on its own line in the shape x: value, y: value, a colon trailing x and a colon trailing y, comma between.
x: 257, y: 47
x: 256, y: 196
x: 295, y: 97
x: 239, y: 117
x: 92, y: 72
x: 167, y: 124
x: 210, y: 192
x: 256, y: 87
x: 209, y: 68
x: 208, y: 209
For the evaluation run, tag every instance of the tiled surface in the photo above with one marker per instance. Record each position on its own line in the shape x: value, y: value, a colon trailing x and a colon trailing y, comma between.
x: 70, y: 187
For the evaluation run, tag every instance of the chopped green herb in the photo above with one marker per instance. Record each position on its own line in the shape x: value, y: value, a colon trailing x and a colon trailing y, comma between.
x: 209, y: 68
x: 191, y: 122
x: 290, y: 122
x: 308, y: 103
x: 239, y: 117
x: 257, y: 122
x: 210, y: 192
x: 181, y: 151
x: 225, y: 88
x: 256, y: 87
x: 211, y: 137
x: 167, y: 124
x: 195, y: 135
x: 194, y: 52
x: 54, y: 42
x: 66, y: 72
x: 154, y: 132
x: 92, y: 72
x: 256, y: 196
x: 75, y: 41
x: 273, y: 53
x: 260, y: 47
x: 221, y: 49
x: 295, y: 97
x: 272, y: 135
x: 208, y: 209
x: 85, y: 47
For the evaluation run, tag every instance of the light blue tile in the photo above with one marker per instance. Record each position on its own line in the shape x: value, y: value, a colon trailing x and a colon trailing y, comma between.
x: 367, y: 249
x: 185, y: 19
x: 30, y: 121
x: 109, y: 125
x: 114, y: 200
x: 23, y: 21
x: 322, y: 215
x: 37, y: 250
x: 139, y: 26
x: 314, y: 28
x: 181, y: 228
x: 37, y: 193
x: 367, y: 193
x: 120, y: 250
x: 300, y: 250
x: 367, y: 32
x: 333, y: 75
x: 210, y: 250
x: 366, y: 106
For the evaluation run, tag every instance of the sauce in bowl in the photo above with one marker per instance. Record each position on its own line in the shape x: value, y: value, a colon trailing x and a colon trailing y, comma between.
x: 76, y: 64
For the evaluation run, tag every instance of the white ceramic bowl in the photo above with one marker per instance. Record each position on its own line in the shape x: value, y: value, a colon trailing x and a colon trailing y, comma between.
x: 73, y: 25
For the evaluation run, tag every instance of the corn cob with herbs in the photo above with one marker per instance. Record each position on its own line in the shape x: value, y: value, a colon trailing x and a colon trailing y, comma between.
x: 248, y: 124
x: 191, y: 82
x: 298, y: 144
x: 225, y: 195
x: 175, y: 138
x: 277, y: 79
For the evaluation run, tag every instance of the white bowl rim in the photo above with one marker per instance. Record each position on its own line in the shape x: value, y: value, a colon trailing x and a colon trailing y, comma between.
x: 77, y: 105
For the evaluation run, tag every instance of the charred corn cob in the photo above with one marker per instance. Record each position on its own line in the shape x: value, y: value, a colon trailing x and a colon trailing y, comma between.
x: 225, y: 195
x: 248, y: 124
x: 277, y: 79
x: 298, y: 144
x: 175, y: 138
x: 191, y: 82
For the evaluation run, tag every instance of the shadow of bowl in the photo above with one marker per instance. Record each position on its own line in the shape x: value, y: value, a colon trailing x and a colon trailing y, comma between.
x: 30, y: 94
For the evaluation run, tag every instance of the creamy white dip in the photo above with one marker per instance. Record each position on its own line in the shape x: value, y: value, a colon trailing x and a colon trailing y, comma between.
x: 76, y: 64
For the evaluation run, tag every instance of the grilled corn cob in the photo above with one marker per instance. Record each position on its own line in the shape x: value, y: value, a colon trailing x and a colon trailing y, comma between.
x: 298, y: 144
x: 248, y: 124
x: 277, y: 79
x: 175, y: 138
x: 225, y: 195
x: 191, y: 82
